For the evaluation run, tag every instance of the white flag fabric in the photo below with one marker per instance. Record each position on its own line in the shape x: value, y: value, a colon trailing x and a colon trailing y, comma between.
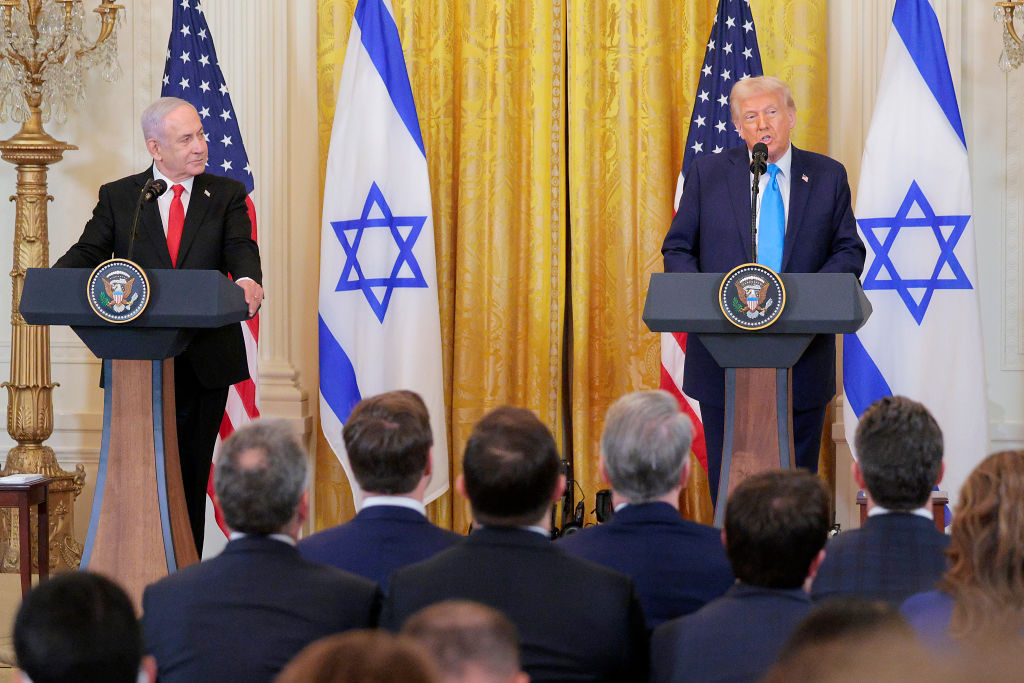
x: 379, y: 326
x: 914, y: 213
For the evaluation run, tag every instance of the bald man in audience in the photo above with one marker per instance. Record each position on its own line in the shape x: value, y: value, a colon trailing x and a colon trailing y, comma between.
x: 470, y: 642
x: 576, y: 620
x: 677, y: 565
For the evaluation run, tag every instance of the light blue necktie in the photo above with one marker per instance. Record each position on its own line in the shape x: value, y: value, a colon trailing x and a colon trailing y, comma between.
x: 772, y: 230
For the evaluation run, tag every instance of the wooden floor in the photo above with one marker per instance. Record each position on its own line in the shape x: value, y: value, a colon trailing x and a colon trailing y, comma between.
x: 10, y: 599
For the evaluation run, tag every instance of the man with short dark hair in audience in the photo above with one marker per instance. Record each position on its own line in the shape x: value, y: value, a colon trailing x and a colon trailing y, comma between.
x: 471, y: 643
x: 576, y: 620
x: 776, y: 524
x: 677, y: 565
x: 80, y: 627
x: 388, y: 441
x: 244, y: 613
x: 898, y: 552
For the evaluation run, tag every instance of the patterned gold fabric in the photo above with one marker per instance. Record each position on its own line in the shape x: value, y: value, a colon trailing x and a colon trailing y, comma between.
x: 547, y: 123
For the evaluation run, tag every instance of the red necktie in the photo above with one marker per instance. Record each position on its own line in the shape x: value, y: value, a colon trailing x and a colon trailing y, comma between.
x: 175, y: 224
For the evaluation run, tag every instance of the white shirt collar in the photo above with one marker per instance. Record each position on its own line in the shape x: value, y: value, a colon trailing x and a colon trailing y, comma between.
x: 920, y: 512
x: 284, y: 538
x: 397, y: 501
x: 187, y: 184
x: 785, y: 162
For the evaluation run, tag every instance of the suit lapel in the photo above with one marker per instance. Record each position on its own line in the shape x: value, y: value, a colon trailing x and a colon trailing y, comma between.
x: 739, y: 195
x: 799, y: 191
x: 151, y: 228
x: 198, y: 205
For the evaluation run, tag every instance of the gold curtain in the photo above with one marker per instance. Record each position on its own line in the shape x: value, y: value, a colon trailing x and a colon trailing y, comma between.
x: 495, y: 102
x: 487, y: 79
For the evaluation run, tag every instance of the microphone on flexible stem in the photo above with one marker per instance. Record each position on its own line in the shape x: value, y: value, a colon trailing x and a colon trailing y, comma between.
x: 758, y: 165
x: 153, y: 188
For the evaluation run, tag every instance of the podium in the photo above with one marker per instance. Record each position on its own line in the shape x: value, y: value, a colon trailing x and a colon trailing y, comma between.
x: 758, y: 363
x: 139, y: 529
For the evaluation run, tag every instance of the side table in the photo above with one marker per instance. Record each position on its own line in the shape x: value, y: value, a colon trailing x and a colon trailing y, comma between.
x: 23, y: 496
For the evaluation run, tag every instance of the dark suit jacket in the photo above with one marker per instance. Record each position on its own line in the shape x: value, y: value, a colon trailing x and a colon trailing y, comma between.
x: 890, y: 558
x: 677, y: 565
x: 711, y: 234
x: 577, y: 621
x: 736, y: 637
x: 217, y: 236
x: 379, y: 540
x: 242, y: 615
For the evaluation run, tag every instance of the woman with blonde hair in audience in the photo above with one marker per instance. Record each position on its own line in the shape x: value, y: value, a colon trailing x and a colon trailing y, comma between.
x: 980, y: 598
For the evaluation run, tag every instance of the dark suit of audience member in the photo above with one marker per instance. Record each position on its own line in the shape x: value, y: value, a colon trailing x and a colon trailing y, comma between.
x: 677, y: 565
x: 577, y: 621
x: 242, y: 615
x: 776, y: 524
x: 388, y: 441
x: 898, y: 551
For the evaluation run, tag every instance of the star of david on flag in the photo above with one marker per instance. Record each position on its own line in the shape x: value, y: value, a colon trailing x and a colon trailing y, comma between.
x: 923, y: 339
x: 402, y: 232
x: 192, y: 72
x: 881, y: 235
x: 379, y: 322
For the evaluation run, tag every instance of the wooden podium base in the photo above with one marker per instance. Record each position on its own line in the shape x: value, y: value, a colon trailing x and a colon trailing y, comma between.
x: 139, y: 530
x: 758, y: 427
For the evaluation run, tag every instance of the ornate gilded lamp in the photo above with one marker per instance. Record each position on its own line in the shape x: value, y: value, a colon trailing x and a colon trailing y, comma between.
x: 1013, y: 51
x: 44, y: 56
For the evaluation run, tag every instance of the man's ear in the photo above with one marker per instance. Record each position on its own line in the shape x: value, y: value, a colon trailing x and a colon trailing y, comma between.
x: 460, y: 486
x: 429, y: 469
x: 722, y: 536
x: 858, y: 475
x: 942, y: 473
x: 559, y: 488
x: 684, y: 476
x: 603, y: 470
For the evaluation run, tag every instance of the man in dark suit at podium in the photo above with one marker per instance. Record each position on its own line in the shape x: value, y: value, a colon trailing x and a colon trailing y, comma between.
x: 199, y: 222
x: 812, y: 230
x: 388, y: 441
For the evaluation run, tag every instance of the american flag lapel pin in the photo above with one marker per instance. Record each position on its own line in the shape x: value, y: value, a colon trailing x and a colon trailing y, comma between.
x: 804, y: 178
x: 207, y: 192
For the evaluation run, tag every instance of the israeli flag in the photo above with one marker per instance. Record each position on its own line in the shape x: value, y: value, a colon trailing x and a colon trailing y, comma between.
x: 379, y: 323
x: 914, y: 214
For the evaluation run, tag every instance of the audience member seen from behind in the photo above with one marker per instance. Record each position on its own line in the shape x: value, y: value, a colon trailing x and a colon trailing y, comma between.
x: 80, y: 627
x: 361, y: 656
x: 576, y: 620
x: 243, y: 614
x: 470, y: 642
x: 850, y: 639
x: 776, y: 524
x: 898, y: 551
x: 980, y: 599
x: 388, y: 442
x: 677, y: 565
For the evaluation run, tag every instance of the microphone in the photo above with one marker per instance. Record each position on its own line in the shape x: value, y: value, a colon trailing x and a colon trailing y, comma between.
x: 150, y: 191
x: 759, y: 164
x: 155, y: 188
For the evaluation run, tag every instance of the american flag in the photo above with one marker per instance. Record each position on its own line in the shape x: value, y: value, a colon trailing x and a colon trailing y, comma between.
x: 731, y: 54
x: 192, y: 72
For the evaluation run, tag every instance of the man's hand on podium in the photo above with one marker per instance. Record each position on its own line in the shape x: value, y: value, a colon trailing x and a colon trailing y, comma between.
x: 253, y: 294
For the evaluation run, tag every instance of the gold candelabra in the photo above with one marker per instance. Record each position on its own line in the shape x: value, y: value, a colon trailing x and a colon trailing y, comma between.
x: 1013, y: 51
x: 44, y: 57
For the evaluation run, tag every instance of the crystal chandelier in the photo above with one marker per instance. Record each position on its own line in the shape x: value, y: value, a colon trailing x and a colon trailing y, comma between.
x: 45, y: 55
x: 1013, y: 51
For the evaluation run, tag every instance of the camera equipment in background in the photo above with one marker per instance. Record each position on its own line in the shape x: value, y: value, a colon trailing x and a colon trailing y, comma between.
x: 567, y: 514
x: 603, y: 509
